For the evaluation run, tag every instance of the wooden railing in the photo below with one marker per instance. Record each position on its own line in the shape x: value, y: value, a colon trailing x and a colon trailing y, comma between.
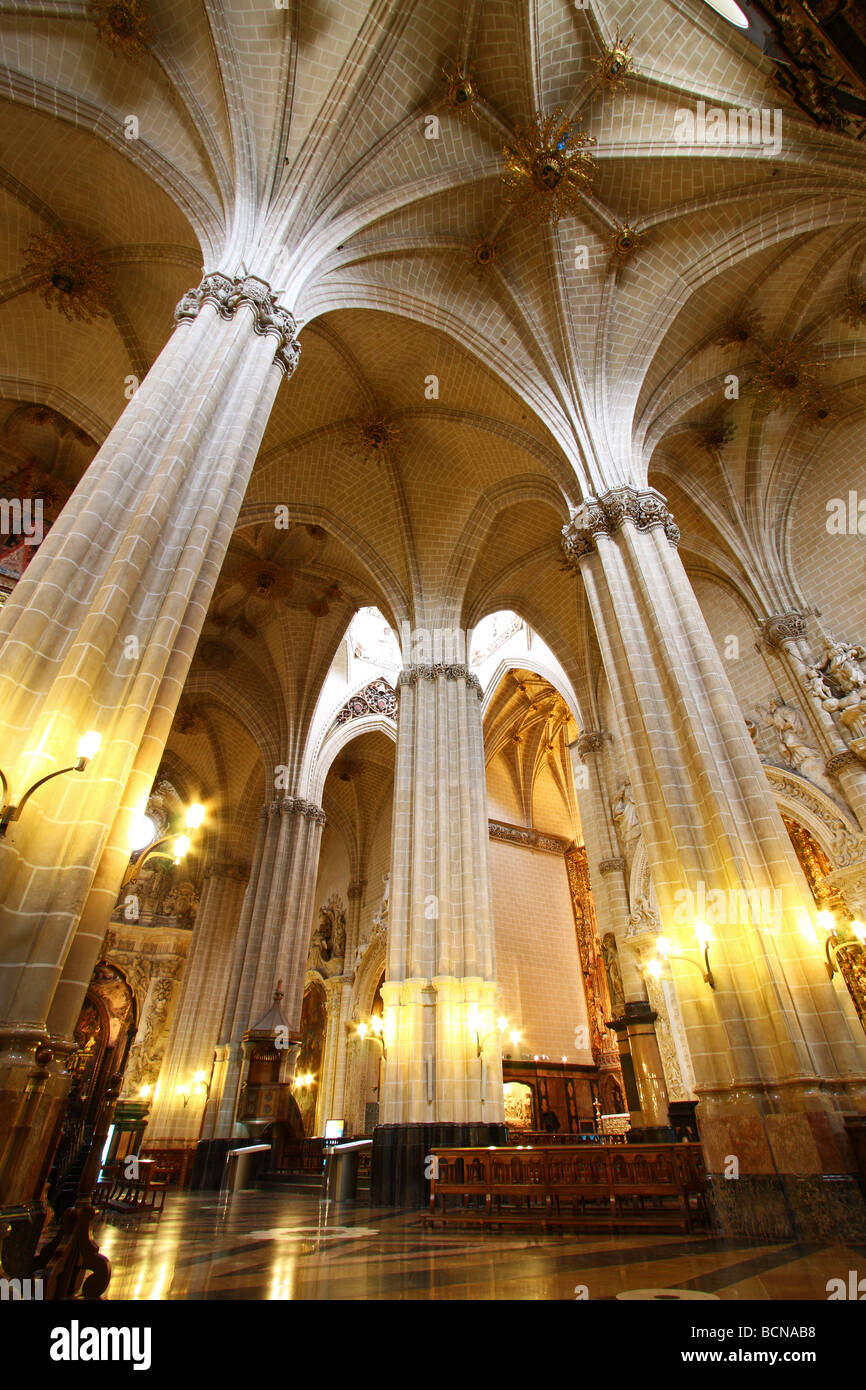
x: 600, y: 1186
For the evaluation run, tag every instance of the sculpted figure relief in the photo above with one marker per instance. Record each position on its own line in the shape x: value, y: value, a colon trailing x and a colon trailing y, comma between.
x: 625, y: 819
x: 328, y: 947
x: 838, y: 683
x: 794, y: 745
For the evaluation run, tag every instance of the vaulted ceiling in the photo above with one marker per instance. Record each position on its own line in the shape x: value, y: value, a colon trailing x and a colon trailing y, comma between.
x: 296, y: 140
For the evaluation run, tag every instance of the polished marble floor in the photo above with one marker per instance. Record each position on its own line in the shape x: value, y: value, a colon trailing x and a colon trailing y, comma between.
x: 292, y: 1245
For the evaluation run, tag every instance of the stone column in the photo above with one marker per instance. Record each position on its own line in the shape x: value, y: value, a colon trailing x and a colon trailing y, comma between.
x: 785, y: 635
x: 272, y: 944
x: 332, y: 1092
x: 355, y: 894
x: 441, y: 966
x: 775, y: 1049
x: 100, y: 633
x: 640, y: 1058
x: 197, y: 1016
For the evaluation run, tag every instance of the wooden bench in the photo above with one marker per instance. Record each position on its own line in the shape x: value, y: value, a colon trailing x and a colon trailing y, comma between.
x: 146, y: 1192
x: 598, y: 1186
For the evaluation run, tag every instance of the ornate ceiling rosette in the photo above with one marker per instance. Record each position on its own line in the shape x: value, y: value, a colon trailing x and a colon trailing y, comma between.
x: 615, y: 64
x: 373, y: 438
x: 548, y: 168
x: 263, y: 579
x: 461, y: 91
x: 122, y: 25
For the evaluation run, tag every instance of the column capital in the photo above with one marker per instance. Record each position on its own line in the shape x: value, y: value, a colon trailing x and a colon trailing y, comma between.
x: 645, y: 508
x: 356, y: 889
x: 452, y: 671
x: 227, y: 293
x: 610, y: 866
x: 837, y: 761
x: 783, y: 627
x: 296, y: 806
x: 592, y: 741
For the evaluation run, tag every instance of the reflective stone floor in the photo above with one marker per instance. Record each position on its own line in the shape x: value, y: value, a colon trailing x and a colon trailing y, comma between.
x: 292, y: 1245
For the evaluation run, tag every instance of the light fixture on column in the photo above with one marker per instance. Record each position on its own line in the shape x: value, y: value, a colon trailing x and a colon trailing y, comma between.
x: 304, y: 1081
x: 833, y: 945
x: 88, y: 746
x: 375, y: 1031
x: 666, y: 949
x: 194, y: 820
x: 475, y: 1024
x: 197, y: 1087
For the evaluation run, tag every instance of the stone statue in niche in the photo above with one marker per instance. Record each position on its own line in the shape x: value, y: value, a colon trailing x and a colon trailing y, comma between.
x: 794, y: 745
x: 182, y: 903
x: 838, y: 683
x: 614, y: 974
x: 625, y: 820
x: 328, y: 948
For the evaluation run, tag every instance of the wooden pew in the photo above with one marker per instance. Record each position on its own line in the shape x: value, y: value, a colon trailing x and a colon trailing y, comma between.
x: 598, y: 1186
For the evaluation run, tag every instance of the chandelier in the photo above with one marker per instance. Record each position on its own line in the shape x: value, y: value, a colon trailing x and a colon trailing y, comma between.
x: 548, y: 168
x: 122, y: 25
x: 615, y: 63
x: 71, y: 276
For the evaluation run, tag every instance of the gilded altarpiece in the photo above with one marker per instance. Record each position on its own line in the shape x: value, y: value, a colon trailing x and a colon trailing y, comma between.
x: 601, y: 982
x: 851, y: 956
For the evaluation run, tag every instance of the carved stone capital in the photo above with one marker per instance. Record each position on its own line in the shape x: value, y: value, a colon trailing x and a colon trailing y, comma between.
x: 783, y: 627
x: 452, y: 671
x: 227, y: 294
x: 610, y: 866
x: 356, y: 889
x: 644, y: 508
x: 592, y: 741
x: 837, y: 761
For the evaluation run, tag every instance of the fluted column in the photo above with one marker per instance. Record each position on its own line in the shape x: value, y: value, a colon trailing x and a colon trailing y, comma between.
x: 640, y: 1057
x: 272, y: 944
x: 100, y: 633
x: 441, y: 959
x: 785, y: 634
x: 197, y: 1016
x: 355, y: 894
x: 332, y: 1092
x: 775, y: 1049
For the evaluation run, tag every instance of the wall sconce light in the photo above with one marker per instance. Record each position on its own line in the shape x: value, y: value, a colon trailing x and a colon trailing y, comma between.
x: 88, y: 746
x: 501, y: 1028
x: 833, y: 945
x: 194, y: 819
x: 666, y: 949
x: 375, y: 1031
x: 197, y: 1087
x: 303, y: 1081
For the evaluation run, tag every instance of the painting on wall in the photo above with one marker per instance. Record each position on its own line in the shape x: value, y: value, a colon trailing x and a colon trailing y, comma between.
x: 313, y: 1018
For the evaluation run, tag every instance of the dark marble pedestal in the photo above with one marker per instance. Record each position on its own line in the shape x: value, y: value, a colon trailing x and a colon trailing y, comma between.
x: 399, y: 1174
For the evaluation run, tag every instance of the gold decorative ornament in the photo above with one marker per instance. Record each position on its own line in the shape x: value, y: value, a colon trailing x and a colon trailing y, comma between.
x: 788, y: 376
x: 615, y: 64
x: 263, y: 579
x: 854, y: 307
x: 625, y: 241
x: 716, y: 433
x: 70, y: 274
x: 484, y: 253
x: 548, y: 168
x: 741, y: 329
x: 374, y: 437
x: 461, y: 91
x: 122, y: 25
